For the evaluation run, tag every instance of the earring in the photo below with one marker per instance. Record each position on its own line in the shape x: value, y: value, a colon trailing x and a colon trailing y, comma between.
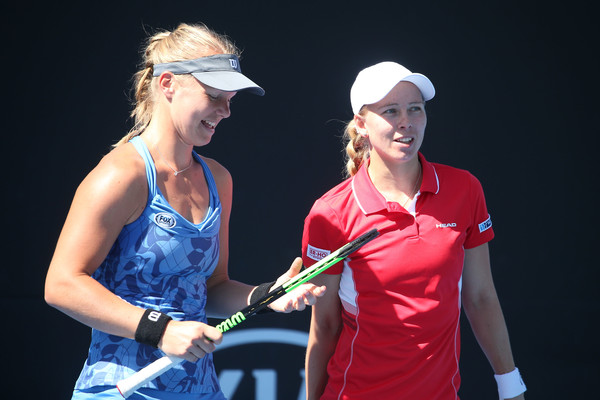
x: 362, y: 132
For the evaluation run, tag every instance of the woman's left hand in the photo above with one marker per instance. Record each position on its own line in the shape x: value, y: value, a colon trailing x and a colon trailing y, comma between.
x: 302, y: 296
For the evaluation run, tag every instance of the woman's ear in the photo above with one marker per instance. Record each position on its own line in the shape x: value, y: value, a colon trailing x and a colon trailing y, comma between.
x: 166, y: 83
x: 359, y: 123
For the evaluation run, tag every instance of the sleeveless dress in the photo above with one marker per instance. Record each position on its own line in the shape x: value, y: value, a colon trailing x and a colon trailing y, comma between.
x: 160, y: 261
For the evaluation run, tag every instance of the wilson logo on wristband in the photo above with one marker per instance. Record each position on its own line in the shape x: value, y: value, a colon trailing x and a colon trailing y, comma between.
x: 154, y: 316
x: 151, y: 327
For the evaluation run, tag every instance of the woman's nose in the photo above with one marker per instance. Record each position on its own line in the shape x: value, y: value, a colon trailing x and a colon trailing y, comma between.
x: 404, y: 122
x: 225, y: 108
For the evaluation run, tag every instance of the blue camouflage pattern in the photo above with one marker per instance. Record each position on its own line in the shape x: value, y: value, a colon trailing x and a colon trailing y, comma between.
x: 160, y: 261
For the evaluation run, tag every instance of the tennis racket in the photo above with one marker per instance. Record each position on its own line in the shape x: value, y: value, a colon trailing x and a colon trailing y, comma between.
x: 129, y: 385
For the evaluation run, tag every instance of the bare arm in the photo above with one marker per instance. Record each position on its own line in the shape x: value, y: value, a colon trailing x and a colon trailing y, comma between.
x: 325, y: 327
x: 483, y: 310
x: 112, y: 195
x: 104, y: 202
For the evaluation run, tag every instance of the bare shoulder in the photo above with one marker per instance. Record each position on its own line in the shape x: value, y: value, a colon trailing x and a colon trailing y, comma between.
x: 219, y: 172
x: 119, y: 180
x: 122, y: 167
x: 112, y: 195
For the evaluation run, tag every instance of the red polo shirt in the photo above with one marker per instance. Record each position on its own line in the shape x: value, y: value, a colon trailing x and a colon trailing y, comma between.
x: 400, y: 292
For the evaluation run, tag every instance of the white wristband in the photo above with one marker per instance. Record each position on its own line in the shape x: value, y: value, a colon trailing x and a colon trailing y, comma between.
x: 510, y: 384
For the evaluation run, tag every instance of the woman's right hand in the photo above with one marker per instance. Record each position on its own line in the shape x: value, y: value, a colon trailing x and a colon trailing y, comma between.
x: 189, y: 340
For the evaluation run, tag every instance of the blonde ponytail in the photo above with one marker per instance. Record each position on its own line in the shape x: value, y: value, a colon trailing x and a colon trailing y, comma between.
x: 357, y: 149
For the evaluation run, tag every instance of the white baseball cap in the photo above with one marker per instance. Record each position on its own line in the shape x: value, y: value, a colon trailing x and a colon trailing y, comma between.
x: 375, y: 82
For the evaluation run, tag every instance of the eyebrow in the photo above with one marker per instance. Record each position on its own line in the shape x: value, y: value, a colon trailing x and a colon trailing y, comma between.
x: 397, y: 104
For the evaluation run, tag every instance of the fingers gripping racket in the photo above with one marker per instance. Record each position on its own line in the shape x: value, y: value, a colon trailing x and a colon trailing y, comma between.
x: 129, y: 385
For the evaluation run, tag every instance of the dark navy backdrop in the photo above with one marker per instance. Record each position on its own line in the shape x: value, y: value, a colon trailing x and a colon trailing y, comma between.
x: 515, y: 100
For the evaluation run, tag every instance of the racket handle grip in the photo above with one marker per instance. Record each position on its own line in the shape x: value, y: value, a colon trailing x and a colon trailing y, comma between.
x: 129, y: 385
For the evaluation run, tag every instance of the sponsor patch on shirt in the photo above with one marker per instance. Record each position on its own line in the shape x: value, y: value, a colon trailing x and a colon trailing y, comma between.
x: 165, y: 220
x: 485, y: 225
x: 448, y: 225
x: 316, y: 253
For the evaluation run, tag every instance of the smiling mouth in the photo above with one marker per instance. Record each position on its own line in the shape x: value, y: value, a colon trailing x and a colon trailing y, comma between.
x: 405, y: 140
x: 209, y: 124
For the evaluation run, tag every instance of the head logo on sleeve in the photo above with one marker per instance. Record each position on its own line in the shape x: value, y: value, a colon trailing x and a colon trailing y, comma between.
x: 485, y: 225
x: 316, y: 253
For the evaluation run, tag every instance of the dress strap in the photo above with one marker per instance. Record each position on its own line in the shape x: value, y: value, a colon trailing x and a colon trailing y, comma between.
x: 142, y: 149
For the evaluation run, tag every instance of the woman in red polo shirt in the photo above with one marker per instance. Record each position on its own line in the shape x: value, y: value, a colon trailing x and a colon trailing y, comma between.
x: 388, y: 326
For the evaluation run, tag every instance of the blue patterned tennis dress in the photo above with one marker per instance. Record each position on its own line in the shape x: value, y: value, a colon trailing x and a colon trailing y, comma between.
x: 160, y: 261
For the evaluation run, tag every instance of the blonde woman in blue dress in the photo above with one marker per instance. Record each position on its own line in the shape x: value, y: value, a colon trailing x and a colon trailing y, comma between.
x: 142, y: 257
